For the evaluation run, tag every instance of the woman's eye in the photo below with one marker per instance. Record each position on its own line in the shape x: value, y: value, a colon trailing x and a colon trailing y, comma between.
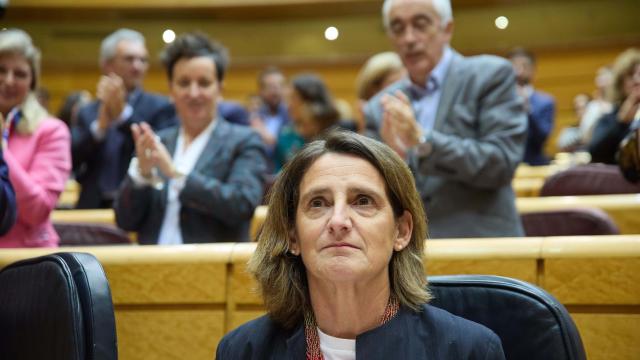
x: 363, y: 200
x: 316, y: 203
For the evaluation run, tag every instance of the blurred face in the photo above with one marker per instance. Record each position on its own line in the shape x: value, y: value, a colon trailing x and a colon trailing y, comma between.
x: 15, y: 81
x: 130, y: 62
x: 523, y: 68
x: 194, y: 89
x: 272, y: 89
x: 418, y: 36
x: 299, y: 113
x: 345, y: 228
x: 631, y: 81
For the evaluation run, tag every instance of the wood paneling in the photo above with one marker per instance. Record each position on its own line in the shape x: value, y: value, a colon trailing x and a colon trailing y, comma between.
x: 609, y: 336
x: 176, y: 302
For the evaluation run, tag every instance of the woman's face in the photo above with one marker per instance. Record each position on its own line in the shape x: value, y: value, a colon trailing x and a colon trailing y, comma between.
x: 15, y: 81
x: 194, y: 89
x: 299, y: 113
x: 632, y: 81
x: 345, y: 228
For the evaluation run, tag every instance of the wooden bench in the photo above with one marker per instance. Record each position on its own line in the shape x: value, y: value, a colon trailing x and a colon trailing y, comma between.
x: 177, y: 302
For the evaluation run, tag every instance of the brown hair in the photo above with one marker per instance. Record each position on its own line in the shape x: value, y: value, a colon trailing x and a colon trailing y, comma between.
x: 282, y: 277
x: 623, y: 67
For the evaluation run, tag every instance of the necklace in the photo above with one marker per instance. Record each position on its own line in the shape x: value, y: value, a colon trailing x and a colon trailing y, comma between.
x: 311, y: 328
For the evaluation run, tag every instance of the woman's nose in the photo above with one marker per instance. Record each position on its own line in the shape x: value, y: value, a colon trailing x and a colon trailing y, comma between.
x: 340, y: 221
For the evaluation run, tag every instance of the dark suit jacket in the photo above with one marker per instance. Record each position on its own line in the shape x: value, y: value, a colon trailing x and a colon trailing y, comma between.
x: 430, y: 334
x: 607, y: 135
x: 542, y: 110
x: 477, y: 142
x: 7, y: 199
x: 89, y: 154
x: 219, y: 196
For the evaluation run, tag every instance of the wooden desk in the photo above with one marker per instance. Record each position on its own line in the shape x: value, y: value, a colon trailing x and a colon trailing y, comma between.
x: 527, y: 187
x: 91, y: 216
x: 178, y: 301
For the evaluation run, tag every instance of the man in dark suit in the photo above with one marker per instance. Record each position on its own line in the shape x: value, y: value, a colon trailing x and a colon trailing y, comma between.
x: 457, y: 121
x: 540, y: 107
x: 7, y: 198
x: 101, y: 142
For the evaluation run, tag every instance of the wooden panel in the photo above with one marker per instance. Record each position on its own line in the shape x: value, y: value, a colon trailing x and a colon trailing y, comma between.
x: 609, y: 336
x: 593, y: 280
x: 527, y: 187
x: 157, y: 333
x: 92, y: 216
x: 519, y: 269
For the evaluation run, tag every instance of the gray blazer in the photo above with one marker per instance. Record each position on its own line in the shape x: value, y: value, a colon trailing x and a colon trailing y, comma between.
x: 477, y: 142
x: 219, y: 195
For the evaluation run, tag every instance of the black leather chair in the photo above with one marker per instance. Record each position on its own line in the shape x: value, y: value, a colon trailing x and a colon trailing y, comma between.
x: 531, y: 323
x: 56, y: 306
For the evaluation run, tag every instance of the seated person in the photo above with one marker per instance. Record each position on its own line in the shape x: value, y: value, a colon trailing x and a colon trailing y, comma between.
x: 612, y: 128
x: 36, y: 146
x: 199, y: 181
x: 7, y: 197
x: 339, y: 263
x: 311, y: 110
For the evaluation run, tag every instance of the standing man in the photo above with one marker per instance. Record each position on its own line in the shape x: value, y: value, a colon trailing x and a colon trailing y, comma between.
x: 102, y: 142
x: 457, y: 120
x: 540, y: 107
x: 272, y: 113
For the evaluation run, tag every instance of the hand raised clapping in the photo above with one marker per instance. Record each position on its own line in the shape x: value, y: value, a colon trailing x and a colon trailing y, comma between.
x: 399, y: 129
x: 151, y: 152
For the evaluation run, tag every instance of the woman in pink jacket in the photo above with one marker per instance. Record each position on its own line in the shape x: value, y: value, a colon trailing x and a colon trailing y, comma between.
x: 36, y: 146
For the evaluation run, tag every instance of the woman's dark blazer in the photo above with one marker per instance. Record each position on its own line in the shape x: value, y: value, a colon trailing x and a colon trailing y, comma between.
x: 430, y: 334
x: 219, y: 196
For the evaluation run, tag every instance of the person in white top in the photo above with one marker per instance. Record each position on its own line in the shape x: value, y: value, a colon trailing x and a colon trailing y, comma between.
x: 199, y: 181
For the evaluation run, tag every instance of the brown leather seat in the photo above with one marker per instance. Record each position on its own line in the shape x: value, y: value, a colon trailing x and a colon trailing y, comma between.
x: 569, y: 222
x: 80, y: 234
x: 590, y: 179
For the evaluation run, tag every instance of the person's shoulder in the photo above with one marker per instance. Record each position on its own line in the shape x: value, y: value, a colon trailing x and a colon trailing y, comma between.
x: 484, y: 60
x: 543, y: 96
x: 236, y: 132
x: 52, y: 125
x: 155, y: 98
x: 250, y: 339
x: 470, y: 336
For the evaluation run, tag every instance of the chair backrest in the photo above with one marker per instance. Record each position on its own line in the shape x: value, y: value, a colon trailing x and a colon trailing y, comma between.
x: 81, y: 234
x: 56, y: 306
x: 569, y: 222
x: 530, y: 323
x: 589, y: 179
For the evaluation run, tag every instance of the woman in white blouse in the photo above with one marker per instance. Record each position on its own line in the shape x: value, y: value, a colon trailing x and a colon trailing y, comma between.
x: 201, y: 180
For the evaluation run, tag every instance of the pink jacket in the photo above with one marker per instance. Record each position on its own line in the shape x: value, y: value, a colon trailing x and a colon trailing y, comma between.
x: 39, y: 166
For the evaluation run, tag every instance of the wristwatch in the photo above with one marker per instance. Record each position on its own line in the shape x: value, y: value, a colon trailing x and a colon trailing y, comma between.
x: 424, y: 146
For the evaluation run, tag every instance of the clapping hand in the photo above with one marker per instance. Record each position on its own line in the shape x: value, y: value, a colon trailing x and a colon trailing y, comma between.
x: 151, y: 152
x: 399, y: 129
x: 112, y: 95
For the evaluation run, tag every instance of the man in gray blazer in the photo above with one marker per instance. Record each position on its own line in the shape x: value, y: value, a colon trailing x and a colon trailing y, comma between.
x: 457, y: 120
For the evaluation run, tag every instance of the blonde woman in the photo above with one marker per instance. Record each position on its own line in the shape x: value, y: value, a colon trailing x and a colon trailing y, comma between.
x: 36, y: 146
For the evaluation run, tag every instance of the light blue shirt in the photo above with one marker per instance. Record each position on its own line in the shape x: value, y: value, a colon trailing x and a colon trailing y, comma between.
x: 425, y: 99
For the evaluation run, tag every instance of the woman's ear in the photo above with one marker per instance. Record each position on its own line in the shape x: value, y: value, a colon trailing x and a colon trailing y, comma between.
x: 294, y: 246
x: 404, y: 227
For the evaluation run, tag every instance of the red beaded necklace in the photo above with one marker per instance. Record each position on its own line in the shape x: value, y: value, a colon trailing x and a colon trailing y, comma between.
x: 311, y: 328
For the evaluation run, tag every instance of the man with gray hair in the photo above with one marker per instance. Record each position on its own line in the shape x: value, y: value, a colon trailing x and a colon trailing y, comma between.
x: 102, y: 142
x: 456, y: 120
